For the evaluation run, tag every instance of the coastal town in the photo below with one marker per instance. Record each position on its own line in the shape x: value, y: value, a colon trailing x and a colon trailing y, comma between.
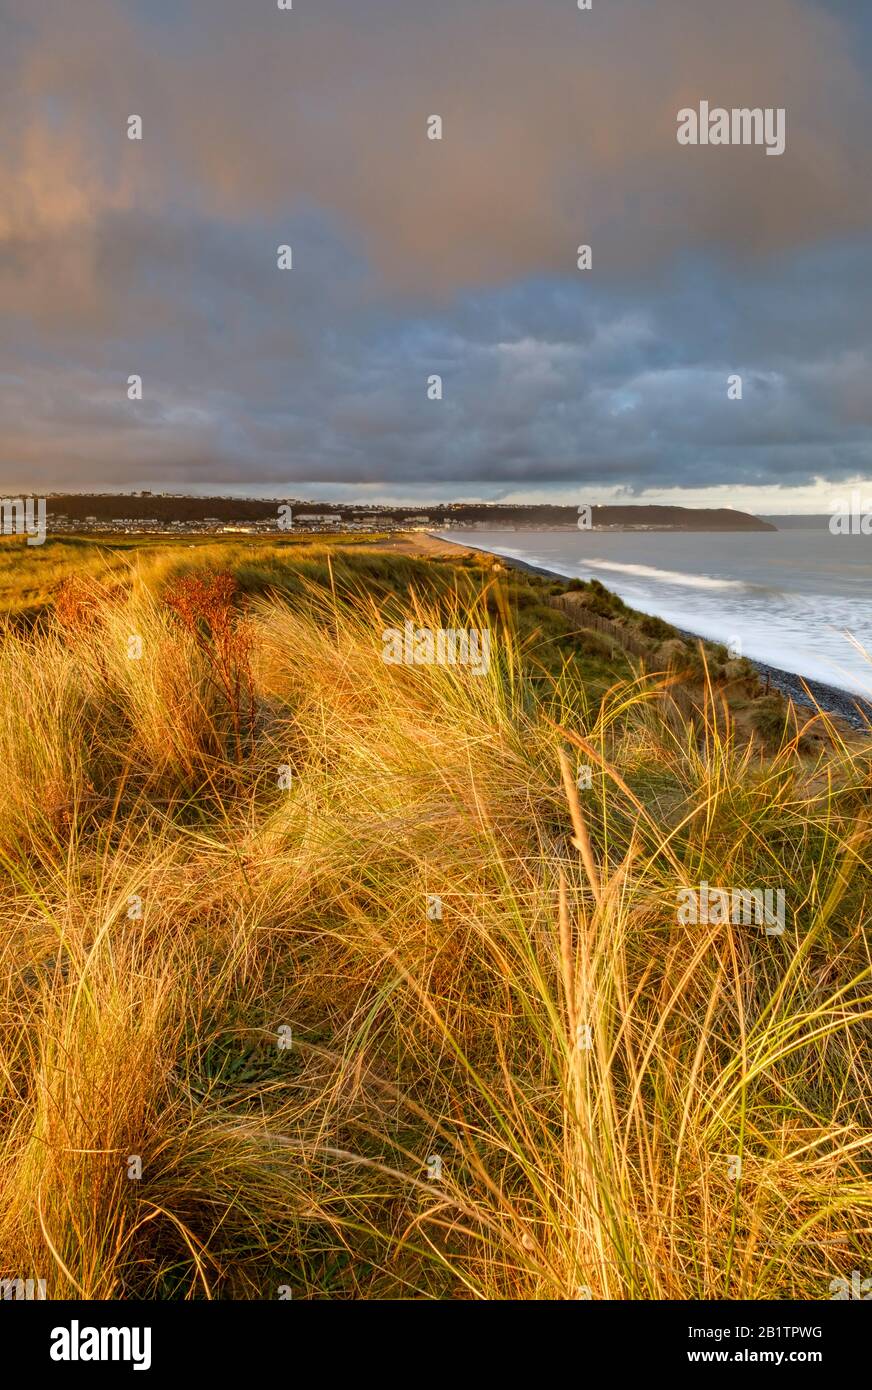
x: 161, y: 513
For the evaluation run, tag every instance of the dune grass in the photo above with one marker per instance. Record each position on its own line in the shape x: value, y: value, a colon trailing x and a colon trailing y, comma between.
x: 350, y: 992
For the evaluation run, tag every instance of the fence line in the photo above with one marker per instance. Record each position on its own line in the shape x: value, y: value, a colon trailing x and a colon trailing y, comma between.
x: 568, y: 604
x: 691, y: 707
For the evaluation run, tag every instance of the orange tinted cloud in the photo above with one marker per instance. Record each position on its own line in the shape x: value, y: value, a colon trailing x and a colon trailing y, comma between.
x: 559, y: 128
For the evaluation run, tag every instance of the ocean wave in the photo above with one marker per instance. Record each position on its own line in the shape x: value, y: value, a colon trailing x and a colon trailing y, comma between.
x: 690, y: 581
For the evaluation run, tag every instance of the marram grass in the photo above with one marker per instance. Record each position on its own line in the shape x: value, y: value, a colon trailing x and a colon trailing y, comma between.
x: 244, y: 1052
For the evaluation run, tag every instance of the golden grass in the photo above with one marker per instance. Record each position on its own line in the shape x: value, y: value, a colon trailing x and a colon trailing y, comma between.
x: 586, y: 1070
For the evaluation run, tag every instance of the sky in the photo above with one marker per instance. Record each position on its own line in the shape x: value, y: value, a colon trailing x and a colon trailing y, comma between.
x: 414, y: 257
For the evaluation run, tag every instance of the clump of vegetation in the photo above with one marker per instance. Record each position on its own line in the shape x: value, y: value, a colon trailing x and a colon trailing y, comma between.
x: 655, y: 628
x: 205, y: 605
x: 78, y: 602
x: 770, y: 718
x: 604, y: 603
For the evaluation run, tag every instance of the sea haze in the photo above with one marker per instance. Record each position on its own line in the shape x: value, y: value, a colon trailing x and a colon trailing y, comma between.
x: 798, y: 599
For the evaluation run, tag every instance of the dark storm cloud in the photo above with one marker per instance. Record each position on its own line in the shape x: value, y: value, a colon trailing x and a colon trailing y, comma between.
x: 414, y: 257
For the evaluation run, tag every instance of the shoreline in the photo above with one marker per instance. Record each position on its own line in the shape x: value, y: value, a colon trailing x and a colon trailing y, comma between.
x: 819, y: 694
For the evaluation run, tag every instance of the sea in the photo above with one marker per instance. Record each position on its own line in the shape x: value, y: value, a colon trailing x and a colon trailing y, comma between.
x: 798, y: 599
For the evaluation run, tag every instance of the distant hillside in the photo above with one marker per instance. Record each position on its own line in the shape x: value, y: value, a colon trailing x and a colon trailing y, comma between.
x: 158, y: 507
x: 164, y: 508
x: 681, y: 518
